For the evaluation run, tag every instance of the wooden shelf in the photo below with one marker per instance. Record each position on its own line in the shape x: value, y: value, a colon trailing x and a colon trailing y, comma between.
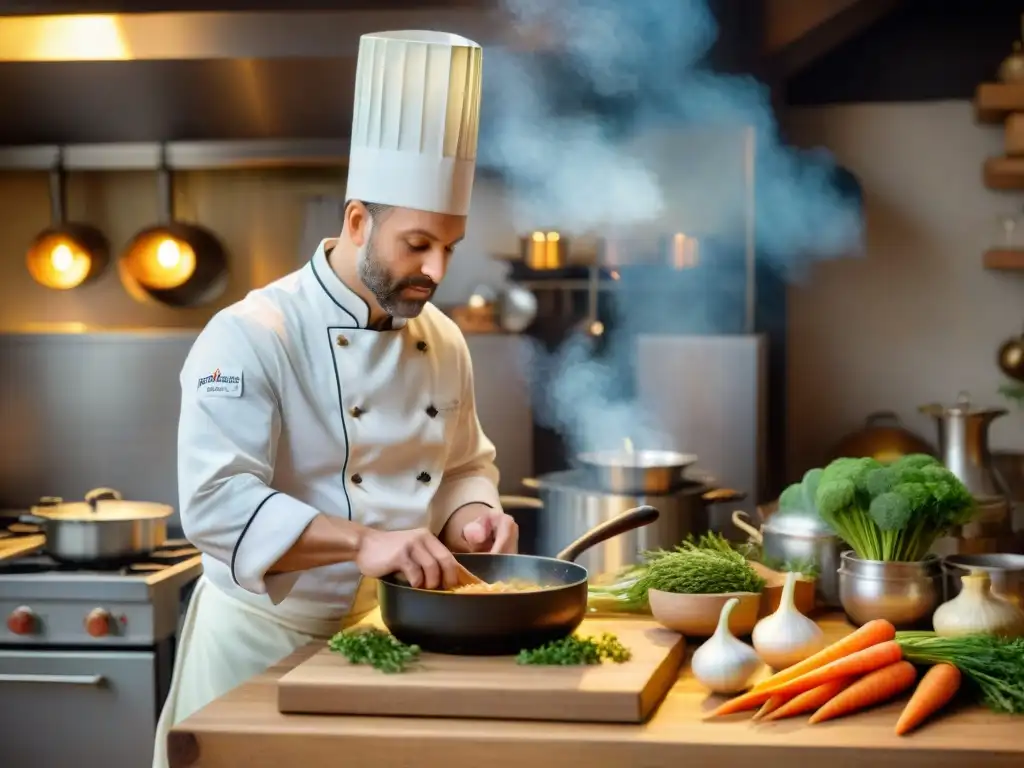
x: 994, y: 101
x: 1005, y: 258
x: 1004, y: 173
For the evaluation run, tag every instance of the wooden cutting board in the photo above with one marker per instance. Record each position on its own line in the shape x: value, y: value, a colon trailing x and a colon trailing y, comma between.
x: 497, y: 687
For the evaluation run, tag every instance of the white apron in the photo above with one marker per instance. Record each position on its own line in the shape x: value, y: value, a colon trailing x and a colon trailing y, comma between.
x: 224, y: 642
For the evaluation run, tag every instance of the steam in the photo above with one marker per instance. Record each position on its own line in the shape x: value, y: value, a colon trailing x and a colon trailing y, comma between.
x: 624, y: 130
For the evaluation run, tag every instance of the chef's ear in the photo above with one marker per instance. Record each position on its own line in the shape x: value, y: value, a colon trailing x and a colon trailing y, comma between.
x: 357, y: 223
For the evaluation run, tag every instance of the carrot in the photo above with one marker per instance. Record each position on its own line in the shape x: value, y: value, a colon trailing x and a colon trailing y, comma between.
x: 770, y: 706
x: 809, y: 701
x: 937, y: 687
x: 874, y: 688
x: 741, y: 703
x: 854, y: 665
x: 872, y: 633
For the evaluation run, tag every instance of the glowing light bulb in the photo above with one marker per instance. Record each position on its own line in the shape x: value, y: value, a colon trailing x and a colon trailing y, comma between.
x: 168, y: 254
x: 62, y: 259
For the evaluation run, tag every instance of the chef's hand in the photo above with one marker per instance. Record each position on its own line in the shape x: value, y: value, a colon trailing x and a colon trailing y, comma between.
x: 417, y: 554
x: 479, y: 528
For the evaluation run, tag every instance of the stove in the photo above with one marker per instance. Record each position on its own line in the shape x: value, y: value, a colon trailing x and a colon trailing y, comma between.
x: 48, y: 602
x: 92, y: 646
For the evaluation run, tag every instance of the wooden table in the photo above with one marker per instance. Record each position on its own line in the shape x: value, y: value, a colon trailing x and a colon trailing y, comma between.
x: 244, y: 728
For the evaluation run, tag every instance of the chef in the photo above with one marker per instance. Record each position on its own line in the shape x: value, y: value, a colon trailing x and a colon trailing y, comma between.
x: 328, y: 433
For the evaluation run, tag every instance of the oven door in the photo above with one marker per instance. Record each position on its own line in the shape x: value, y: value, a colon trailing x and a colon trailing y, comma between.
x: 80, y: 708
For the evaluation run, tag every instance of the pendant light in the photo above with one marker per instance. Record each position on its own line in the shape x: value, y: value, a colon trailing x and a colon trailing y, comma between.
x: 67, y: 254
x: 172, y: 262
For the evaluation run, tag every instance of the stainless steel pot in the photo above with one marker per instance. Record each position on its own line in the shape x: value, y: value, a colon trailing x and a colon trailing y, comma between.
x: 631, y: 472
x: 101, y: 528
x: 905, y: 594
x: 1005, y: 570
x: 568, y: 507
x: 797, y: 539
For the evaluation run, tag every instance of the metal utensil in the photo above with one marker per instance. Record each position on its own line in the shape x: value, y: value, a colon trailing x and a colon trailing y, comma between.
x: 501, y: 623
x: 964, y: 445
x: 102, y: 528
x: 1005, y: 570
x: 798, y: 539
x: 905, y: 594
x: 640, y: 471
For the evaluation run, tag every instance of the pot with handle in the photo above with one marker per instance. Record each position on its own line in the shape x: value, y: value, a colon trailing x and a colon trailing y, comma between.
x: 501, y: 623
x: 103, y: 528
x: 795, y: 539
x: 652, y: 472
x: 570, y: 506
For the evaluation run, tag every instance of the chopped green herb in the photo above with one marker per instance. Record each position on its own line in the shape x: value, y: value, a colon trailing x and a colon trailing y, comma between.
x: 577, y: 651
x: 374, y: 647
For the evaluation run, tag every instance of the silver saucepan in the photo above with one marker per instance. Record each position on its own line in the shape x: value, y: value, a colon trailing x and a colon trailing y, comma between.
x: 649, y: 472
x: 101, y: 528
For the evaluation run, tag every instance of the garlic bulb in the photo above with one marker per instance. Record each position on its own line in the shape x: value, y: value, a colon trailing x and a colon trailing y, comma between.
x: 976, y: 610
x: 787, y: 637
x: 724, y: 664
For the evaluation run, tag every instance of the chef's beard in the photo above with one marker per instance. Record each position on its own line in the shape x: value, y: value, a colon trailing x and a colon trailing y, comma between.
x: 386, y: 288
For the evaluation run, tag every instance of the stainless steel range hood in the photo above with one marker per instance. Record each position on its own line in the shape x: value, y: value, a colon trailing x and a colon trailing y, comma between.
x: 188, y: 77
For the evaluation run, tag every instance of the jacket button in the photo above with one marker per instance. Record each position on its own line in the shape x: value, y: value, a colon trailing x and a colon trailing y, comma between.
x: 356, y: 411
x: 341, y: 340
x: 357, y: 478
x: 432, y: 411
x: 421, y: 345
x: 423, y: 477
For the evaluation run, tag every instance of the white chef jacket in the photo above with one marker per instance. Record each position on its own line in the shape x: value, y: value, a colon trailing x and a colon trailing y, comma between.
x: 292, y: 407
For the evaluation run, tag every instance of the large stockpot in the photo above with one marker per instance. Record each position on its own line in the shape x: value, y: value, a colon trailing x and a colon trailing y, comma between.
x: 797, y: 539
x: 103, y: 528
x: 569, y: 506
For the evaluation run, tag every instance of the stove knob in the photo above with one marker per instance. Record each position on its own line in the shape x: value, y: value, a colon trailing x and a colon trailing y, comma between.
x: 22, y: 621
x: 98, y: 622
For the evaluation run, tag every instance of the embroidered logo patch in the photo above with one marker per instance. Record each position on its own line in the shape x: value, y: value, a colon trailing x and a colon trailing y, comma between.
x: 221, y: 383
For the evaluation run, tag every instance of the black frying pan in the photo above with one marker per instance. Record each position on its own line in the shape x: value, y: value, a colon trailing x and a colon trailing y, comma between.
x: 501, y: 623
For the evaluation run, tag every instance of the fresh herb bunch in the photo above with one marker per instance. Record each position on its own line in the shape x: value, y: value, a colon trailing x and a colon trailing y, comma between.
x: 892, y: 512
x: 699, y: 567
x: 577, y: 651
x: 710, y: 562
x: 993, y: 665
x: 374, y: 647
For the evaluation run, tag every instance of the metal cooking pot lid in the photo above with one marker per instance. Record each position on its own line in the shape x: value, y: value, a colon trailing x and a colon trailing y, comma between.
x: 798, y: 525
x: 107, y: 510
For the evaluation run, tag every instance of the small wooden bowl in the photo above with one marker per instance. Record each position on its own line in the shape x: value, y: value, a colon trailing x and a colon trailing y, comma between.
x: 697, y: 615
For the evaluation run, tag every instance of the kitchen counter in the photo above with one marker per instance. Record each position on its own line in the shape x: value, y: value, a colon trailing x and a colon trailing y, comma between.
x: 245, y: 728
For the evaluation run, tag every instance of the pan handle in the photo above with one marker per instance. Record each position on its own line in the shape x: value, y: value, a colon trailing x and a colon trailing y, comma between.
x: 629, y: 520
x: 722, y: 495
x: 739, y: 519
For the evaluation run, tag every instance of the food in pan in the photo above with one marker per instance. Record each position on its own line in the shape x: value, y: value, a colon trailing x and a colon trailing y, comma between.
x: 512, y: 585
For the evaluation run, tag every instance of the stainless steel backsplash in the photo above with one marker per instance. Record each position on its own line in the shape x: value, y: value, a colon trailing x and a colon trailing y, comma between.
x: 81, y: 411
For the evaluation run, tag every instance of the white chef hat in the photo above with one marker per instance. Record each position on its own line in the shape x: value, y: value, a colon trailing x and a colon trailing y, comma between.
x: 416, y: 119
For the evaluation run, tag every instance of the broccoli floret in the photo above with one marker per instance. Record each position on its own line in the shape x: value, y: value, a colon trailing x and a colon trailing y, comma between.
x: 809, y: 486
x: 894, y: 511
x: 918, y: 460
x: 891, y: 511
x: 792, y: 499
